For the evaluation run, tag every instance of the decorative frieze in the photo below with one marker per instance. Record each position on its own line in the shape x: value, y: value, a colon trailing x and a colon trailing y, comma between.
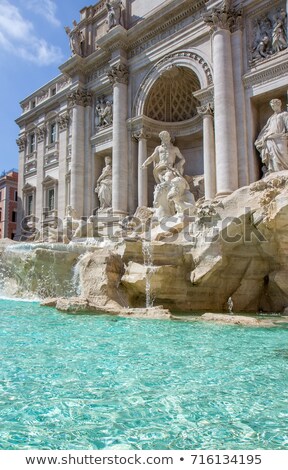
x: 267, y: 74
x: 206, y: 110
x: 80, y: 98
x: 99, y: 72
x: 43, y: 96
x: 176, y: 22
x: 118, y: 74
x: 224, y: 17
x: 21, y: 142
x: 63, y: 83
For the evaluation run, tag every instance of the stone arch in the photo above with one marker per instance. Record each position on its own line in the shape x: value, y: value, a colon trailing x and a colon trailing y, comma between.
x: 171, y: 99
x: 188, y: 59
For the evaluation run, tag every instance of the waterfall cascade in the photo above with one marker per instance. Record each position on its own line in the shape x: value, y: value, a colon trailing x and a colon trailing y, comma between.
x: 37, y: 271
x: 150, y: 269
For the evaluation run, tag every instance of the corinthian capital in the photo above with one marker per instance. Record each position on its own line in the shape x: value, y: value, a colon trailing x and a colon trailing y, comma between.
x: 21, y: 142
x: 118, y: 74
x: 206, y: 110
x: 224, y: 17
x: 63, y: 121
x: 41, y: 133
x: 80, y: 97
x: 141, y: 134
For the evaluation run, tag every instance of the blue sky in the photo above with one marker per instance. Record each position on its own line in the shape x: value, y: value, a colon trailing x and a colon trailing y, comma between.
x: 33, y: 44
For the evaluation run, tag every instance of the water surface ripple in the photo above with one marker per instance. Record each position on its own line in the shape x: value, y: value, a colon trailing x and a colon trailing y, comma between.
x: 87, y: 382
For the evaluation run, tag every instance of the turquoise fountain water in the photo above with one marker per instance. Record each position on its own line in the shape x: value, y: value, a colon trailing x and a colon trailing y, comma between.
x: 88, y: 382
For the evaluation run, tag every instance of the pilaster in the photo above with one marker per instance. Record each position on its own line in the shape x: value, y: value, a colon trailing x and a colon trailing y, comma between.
x: 63, y: 124
x: 41, y: 132
x: 78, y: 100
x: 21, y: 142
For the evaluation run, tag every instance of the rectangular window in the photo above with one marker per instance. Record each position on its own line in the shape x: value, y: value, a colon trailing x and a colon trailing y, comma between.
x: 32, y: 143
x: 52, y: 133
x: 16, y: 196
x: 0, y: 216
x: 14, y: 216
x: 51, y: 199
x: 0, y: 195
x: 53, y: 91
x: 29, y: 204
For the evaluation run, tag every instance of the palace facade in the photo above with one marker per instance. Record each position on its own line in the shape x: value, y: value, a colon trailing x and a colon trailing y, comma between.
x: 8, y: 203
x: 203, y: 70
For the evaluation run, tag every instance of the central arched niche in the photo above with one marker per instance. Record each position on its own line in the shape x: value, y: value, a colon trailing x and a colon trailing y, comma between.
x: 171, y: 97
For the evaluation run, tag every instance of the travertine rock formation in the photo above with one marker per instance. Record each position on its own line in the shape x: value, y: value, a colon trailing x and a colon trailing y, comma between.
x: 233, y: 247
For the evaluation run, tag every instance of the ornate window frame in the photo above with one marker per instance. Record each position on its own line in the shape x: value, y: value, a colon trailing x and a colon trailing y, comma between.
x: 50, y: 185
x: 29, y: 197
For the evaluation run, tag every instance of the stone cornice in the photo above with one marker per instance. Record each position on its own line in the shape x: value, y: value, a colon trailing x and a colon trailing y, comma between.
x: 43, y: 107
x: 118, y: 74
x: 269, y: 69
x: 204, y: 95
x: 152, y: 127
x: 72, y: 66
x: 116, y: 38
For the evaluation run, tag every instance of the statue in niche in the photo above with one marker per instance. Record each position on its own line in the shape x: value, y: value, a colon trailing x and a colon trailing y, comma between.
x: 104, y: 185
x: 172, y: 193
x: 104, y: 113
x: 113, y: 8
x: 272, y: 142
x: 164, y: 157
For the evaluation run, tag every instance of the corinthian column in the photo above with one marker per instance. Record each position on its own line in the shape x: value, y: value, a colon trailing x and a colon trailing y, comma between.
x: 241, y: 119
x: 221, y: 21
x: 118, y: 76
x: 78, y: 100
x: 142, y: 137
x: 208, y: 150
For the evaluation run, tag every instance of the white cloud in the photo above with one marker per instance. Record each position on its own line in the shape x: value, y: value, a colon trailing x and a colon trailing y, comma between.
x: 17, y: 36
x: 45, y: 8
